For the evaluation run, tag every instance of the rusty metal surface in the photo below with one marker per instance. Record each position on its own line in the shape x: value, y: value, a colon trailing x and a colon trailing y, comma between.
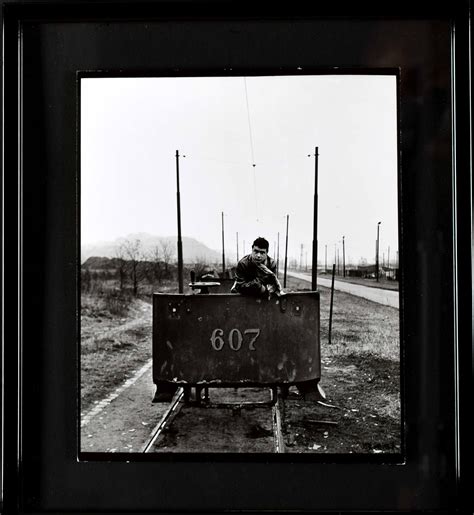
x: 225, y: 286
x: 232, y: 339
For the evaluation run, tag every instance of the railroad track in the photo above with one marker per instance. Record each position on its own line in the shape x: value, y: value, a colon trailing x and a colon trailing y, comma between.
x: 275, y: 409
x: 166, y: 420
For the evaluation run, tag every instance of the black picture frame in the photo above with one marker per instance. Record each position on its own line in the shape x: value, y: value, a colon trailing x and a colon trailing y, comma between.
x: 45, y: 44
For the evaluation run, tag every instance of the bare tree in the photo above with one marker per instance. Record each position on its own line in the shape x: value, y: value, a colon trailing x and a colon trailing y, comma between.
x: 167, y: 253
x: 134, y: 255
x: 200, y: 268
x: 120, y: 254
x: 156, y: 265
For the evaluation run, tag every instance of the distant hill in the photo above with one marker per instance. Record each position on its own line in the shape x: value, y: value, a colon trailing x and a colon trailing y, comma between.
x: 100, y: 263
x: 193, y: 250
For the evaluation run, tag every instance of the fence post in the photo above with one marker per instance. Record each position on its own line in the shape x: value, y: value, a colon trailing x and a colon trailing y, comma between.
x: 332, y: 297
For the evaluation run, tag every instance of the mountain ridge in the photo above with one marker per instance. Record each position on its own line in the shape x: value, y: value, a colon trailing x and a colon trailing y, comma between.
x: 193, y: 250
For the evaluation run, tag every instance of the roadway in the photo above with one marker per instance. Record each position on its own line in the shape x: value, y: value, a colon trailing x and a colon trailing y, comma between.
x: 379, y: 295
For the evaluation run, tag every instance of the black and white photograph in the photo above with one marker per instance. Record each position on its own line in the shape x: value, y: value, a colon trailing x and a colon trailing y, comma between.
x: 239, y: 264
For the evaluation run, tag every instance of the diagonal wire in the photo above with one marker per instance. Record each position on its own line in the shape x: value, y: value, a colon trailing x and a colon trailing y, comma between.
x: 251, y: 148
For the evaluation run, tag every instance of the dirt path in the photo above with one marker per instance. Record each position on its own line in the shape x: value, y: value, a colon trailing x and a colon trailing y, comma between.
x: 123, y: 421
x: 113, y: 349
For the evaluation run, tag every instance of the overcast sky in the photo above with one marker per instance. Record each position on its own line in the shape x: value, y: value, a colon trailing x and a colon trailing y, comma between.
x: 132, y: 127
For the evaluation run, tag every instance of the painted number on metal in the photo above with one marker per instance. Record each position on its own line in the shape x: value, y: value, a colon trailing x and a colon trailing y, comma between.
x: 235, y: 339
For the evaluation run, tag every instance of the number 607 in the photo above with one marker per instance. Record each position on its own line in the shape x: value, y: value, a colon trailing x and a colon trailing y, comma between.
x: 234, y: 338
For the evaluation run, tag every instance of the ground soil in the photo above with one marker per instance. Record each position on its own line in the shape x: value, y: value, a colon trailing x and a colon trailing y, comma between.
x: 365, y: 414
x: 215, y: 429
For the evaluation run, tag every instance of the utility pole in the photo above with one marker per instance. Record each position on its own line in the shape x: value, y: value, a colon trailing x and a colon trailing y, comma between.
x: 397, y: 271
x: 343, y: 258
x: 180, y: 242
x: 338, y: 271
x: 286, y: 250
x: 278, y: 253
x: 377, y: 254
x: 223, y: 252
x: 314, y: 271
x: 331, y: 303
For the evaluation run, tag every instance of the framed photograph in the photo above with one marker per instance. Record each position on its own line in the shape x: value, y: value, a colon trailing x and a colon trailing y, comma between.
x: 242, y: 258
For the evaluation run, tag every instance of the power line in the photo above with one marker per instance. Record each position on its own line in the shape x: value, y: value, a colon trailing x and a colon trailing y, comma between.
x: 251, y: 148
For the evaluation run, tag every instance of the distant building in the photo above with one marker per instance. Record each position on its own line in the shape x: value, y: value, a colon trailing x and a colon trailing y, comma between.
x: 354, y: 272
x: 391, y: 273
x: 369, y: 272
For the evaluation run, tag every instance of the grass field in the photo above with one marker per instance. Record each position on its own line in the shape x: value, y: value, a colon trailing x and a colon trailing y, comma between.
x: 358, y: 325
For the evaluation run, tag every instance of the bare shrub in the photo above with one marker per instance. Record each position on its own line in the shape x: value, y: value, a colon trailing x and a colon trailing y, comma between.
x: 132, y: 250
x: 117, y: 302
x: 86, y: 280
x: 200, y: 268
x: 121, y: 264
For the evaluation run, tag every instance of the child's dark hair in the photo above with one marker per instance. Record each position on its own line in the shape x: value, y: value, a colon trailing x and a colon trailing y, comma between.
x: 261, y: 243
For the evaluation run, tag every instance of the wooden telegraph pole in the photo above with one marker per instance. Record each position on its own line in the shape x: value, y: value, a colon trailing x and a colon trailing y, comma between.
x: 343, y: 258
x: 180, y: 242
x: 223, y: 252
x: 332, y: 297
x: 286, y: 250
x: 278, y: 253
x: 377, y: 254
x: 314, y: 271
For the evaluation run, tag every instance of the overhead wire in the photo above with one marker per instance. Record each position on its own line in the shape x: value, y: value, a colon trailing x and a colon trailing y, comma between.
x: 251, y: 148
